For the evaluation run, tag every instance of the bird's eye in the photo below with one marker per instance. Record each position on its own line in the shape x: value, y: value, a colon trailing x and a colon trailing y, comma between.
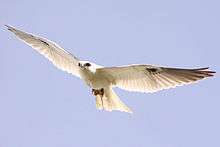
x: 79, y: 64
x: 87, y: 64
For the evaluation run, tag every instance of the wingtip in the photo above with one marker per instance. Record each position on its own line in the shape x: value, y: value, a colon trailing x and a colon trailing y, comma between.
x: 10, y: 28
x: 206, y: 71
x: 7, y: 26
x: 204, y: 68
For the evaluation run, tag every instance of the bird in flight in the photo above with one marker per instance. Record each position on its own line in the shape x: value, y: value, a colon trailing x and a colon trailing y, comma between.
x: 136, y: 77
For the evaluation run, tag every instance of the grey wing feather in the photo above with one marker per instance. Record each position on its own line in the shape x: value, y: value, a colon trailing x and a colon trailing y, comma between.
x: 53, y: 52
x: 148, y: 78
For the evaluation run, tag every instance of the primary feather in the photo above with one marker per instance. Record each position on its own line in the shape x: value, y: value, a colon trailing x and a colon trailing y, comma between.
x: 149, y: 78
x: 53, y: 52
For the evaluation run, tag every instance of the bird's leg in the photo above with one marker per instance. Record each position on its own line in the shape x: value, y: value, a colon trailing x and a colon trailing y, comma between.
x: 101, y: 95
x: 95, y: 92
x: 99, y: 92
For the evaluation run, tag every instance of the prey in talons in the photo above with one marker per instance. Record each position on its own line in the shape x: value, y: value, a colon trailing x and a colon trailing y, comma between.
x: 96, y: 92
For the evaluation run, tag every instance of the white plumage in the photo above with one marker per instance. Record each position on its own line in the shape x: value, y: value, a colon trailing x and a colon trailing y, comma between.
x: 53, y: 52
x: 139, y: 78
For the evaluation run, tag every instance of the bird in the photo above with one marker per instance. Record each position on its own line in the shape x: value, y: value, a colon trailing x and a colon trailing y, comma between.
x: 144, y: 78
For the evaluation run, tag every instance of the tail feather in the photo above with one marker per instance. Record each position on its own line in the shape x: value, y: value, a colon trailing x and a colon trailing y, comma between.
x: 110, y: 101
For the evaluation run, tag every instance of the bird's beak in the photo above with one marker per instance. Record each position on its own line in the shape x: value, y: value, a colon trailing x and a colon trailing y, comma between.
x: 80, y: 65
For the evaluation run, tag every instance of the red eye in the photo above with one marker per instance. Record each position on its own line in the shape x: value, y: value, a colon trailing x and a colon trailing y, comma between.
x: 87, y: 64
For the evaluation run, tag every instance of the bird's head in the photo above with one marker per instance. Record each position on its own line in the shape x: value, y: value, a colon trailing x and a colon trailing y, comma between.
x: 86, y: 65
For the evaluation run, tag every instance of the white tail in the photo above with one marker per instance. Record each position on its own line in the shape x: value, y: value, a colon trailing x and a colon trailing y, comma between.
x: 110, y: 101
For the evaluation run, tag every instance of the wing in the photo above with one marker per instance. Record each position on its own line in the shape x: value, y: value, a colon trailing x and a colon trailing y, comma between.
x: 148, y: 78
x: 53, y: 52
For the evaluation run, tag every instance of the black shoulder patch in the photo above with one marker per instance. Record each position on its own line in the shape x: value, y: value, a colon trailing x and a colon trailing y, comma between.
x: 44, y: 42
x: 153, y: 70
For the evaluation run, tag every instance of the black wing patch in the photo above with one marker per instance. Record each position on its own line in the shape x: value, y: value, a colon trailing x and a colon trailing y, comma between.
x: 44, y: 42
x: 153, y: 70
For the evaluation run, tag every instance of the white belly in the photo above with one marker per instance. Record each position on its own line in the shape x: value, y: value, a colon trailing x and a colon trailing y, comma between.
x: 93, y: 80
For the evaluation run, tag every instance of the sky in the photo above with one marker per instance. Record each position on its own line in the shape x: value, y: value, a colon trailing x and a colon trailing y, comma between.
x: 41, y: 106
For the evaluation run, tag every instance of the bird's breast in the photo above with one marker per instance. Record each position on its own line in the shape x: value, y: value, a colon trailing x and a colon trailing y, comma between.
x: 94, y: 80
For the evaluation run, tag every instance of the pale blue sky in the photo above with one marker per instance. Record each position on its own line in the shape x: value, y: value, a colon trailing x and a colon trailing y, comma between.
x: 41, y: 106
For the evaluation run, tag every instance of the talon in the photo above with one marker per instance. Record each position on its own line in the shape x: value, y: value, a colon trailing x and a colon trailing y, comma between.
x: 98, y: 92
x: 95, y: 92
x: 102, y: 92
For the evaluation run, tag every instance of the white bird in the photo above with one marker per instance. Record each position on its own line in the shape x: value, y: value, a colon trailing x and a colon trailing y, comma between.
x: 139, y: 78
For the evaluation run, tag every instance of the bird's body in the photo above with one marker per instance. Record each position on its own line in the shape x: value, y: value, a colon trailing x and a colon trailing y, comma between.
x: 91, y: 78
x: 139, y: 78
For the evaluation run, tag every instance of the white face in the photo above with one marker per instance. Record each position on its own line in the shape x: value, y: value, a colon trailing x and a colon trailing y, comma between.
x: 84, y: 65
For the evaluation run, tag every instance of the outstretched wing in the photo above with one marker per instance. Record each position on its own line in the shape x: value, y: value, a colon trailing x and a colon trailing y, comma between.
x: 148, y: 78
x: 57, y: 55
